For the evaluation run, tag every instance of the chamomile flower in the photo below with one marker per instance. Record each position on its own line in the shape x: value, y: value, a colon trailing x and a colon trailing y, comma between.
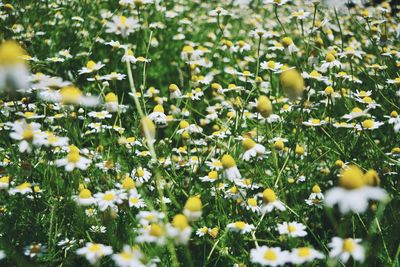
x: 271, y: 66
x: 271, y: 202
x: 343, y: 249
x: 14, y: 74
x: 302, y: 255
x: 130, y: 256
x: 292, y: 229
x: 73, y: 160
x: 135, y: 199
x: 35, y: 250
x: 241, y: 227
x: 354, y: 192
x: 230, y: 169
x: 85, y: 198
x: 212, y: 176
x: 253, y: 150
x: 141, y: 175
x: 93, y: 252
x: 158, y: 116
x: 269, y: 256
x: 109, y: 199
x: 316, y: 197
x: 153, y: 233
x: 26, y: 133
x: 122, y: 25
x: 90, y: 67
x: 193, y: 208
x: 179, y: 229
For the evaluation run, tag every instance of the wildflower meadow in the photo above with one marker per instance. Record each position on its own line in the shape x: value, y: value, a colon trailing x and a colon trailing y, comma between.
x: 199, y: 133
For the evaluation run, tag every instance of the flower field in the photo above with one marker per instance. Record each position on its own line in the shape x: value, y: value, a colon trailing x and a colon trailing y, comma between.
x: 199, y: 133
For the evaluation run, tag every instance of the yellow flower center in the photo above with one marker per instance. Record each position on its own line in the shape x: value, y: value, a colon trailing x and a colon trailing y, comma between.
x: 316, y: 189
x: 252, y: 202
x: 193, y: 204
x: 269, y: 195
x: 271, y: 64
x: 73, y: 157
x: 304, y: 252
x: 248, y: 143
x: 352, y: 178
x: 158, y: 108
x: 28, y: 133
x: 95, y: 248
x: 70, y: 94
x: 122, y: 20
x: 330, y: 57
x: 111, y: 98
x: 128, y: 183
x: 240, y: 225
x: 126, y: 255
x: 108, y: 196
x: 85, y: 193
x: 213, y: 175
x: 140, y: 172
x: 11, y: 53
x: 180, y: 221
x: 291, y: 228
x: 270, y: 255
x: 286, y: 41
x: 228, y: 161
x: 368, y: 124
x: 183, y: 124
x: 348, y: 245
x: 156, y: 230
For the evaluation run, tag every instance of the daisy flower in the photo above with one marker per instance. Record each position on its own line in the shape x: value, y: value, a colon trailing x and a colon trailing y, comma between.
x: 354, y: 192
x: 179, y: 229
x: 369, y: 124
x: 241, y: 227
x: 14, y: 74
x: 93, y: 252
x: 271, y: 66
x: 230, y: 170
x: 212, y: 176
x: 153, y: 233
x: 271, y: 202
x: 25, y: 133
x: 129, y: 257
x: 292, y: 229
x: 90, y: 67
x: 305, y: 254
x: 73, y: 160
x: 24, y: 188
x: 253, y: 150
x: 269, y: 256
x: 85, y: 198
x: 141, y: 175
x: 330, y: 62
x: 109, y: 199
x: 135, y: 199
x: 343, y: 249
x: 193, y: 208
x: 122, y: 25
x: 35, y: 250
